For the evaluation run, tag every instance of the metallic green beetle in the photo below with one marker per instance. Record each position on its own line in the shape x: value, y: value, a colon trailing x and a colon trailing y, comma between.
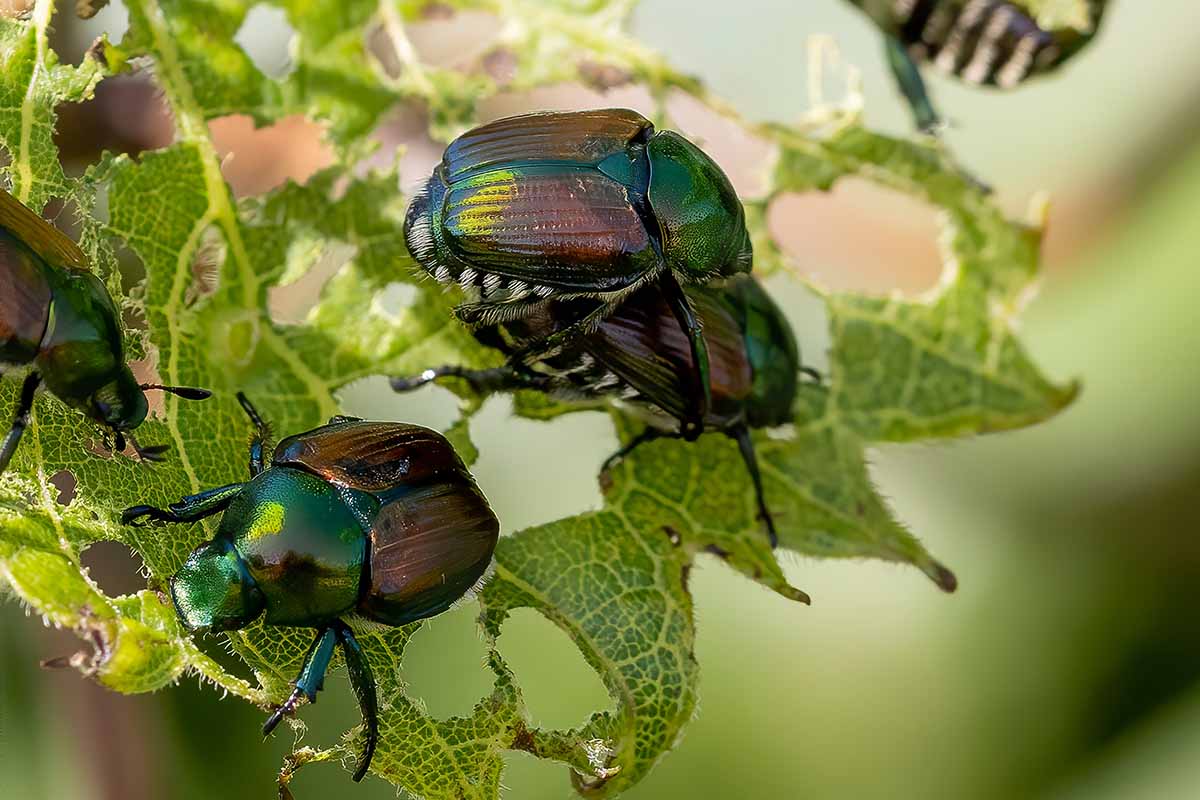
x: 984, y: 42
x: 378, y: 520
x: 638, y: 354
x: 592, y: 204
x: 57, y: 316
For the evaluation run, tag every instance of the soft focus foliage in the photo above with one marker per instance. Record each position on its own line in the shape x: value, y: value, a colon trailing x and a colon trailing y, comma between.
x: 615, y: 580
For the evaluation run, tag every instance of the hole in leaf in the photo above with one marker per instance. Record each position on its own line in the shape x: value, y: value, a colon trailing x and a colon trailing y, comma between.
x: 554, y: 462
x: 128, y: 114
x: 266, y: 36
x: 15, y: 9
x: 373, y: 398
x: 455, y: 42
x: 408, y: 127
x: 396, y: 297
x: 526, y: 775
x: 256, y: 160
x: 71, y: 36
x: 445, y: 663
x: 860, y: 237
x: 560, y: 689
x: 64, y: 481
x: 114, y: 567
x: 309, y: 268
x: 500, y: 64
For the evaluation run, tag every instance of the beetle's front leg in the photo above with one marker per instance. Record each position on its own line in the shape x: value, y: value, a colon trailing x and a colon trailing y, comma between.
x: 311, y: 678
x: 912, y: 85
x: 681, y: 307
x: 20, y: 419
x: 190, y: 509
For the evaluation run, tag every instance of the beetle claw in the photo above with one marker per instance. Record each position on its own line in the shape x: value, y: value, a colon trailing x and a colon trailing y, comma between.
x: 286, y: 710
x: 132, y: 515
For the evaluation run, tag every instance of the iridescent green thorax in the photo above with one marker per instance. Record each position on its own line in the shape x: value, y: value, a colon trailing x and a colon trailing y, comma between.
x: 301, y: 543
x: 701, y: 220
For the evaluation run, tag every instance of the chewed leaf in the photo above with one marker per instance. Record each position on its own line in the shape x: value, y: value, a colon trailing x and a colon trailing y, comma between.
x: 615, y: 579
x: 618, y: 588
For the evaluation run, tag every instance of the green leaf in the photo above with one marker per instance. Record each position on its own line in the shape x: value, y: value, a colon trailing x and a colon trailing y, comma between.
x: 615, y: 579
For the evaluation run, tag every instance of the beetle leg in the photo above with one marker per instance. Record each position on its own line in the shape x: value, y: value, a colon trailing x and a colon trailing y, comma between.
x: 741, y: 435
x: 364, y: 688
x: 912, y: 85
x: 20, y: 419
x: 484, y: 381
x: 809, y: 372
x: 310, y: 679
x: 262, y: 432
x: 566, y: 338
x: 485, y: 314
x: 647, y: 435
x: 190, y: 509
x: 693, y: 425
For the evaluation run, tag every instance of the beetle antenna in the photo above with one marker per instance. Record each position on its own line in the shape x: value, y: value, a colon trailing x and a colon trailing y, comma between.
x: 186, y: 392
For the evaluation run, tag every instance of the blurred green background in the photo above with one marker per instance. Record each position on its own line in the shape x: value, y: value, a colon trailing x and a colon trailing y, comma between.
x: 1067, y: 664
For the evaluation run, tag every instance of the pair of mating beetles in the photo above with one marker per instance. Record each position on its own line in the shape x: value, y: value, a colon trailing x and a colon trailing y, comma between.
x: 605, y: 258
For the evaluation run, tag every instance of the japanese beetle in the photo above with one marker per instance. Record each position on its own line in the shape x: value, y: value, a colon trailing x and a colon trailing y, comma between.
x: 375, y: 519
x: 638, y: 354
x: 984, y: 42
x: 57, y: 316
x: 592, y: 204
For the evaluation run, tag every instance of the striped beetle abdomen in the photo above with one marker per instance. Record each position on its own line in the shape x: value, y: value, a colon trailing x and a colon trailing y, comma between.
x: 985, y: 42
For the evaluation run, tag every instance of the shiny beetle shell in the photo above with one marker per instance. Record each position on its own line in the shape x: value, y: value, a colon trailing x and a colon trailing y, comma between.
x: 433, y: 535
x: 587, y: 202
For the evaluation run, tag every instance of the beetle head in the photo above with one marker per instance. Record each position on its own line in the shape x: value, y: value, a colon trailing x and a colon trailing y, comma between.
x: 213, y: 591
x: 120, y: 404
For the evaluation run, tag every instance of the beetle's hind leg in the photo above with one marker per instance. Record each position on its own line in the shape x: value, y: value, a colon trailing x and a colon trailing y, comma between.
x: 311, y: 677
x: 484, y: 381
x: 741, y: 435
x: 363, y: 683
x: 692, y: 426
x: 912, y: 85
x: 190, y: 509
x: 20, y: 419
x: 647, y: 435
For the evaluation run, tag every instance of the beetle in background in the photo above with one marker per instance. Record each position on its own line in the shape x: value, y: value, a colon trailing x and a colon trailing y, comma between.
x: 378, y: 520
x: 57, y: 316
x: 638, y: 354
x: 582, y: 204
x: 985, y: 42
